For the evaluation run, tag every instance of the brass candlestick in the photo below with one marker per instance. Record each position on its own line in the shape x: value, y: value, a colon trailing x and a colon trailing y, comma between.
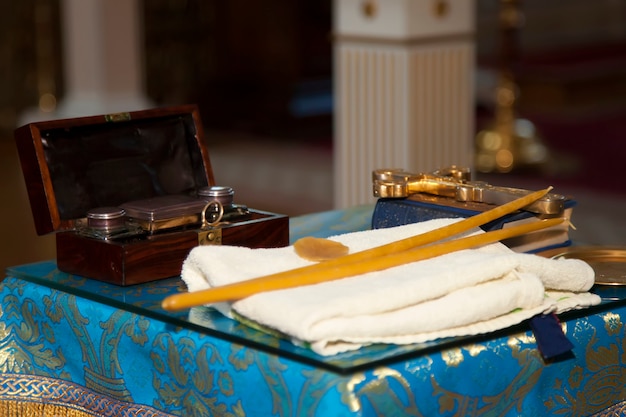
x: 509, y: 142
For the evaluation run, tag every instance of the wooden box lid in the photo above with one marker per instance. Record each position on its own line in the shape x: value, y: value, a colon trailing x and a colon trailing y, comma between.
x: 73, y: 165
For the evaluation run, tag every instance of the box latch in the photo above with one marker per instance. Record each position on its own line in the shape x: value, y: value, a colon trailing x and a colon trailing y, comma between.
x: 210, y: 237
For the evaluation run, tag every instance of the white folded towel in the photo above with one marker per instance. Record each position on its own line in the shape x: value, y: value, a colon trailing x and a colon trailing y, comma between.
x: 462, y: 293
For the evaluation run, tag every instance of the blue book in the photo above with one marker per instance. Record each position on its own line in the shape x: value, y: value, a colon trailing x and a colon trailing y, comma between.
x: 390, y: 212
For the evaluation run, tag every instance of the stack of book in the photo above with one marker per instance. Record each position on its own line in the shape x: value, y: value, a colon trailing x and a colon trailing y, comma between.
x: 390, y: 212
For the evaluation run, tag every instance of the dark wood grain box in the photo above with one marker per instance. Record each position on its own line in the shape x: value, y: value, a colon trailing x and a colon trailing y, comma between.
x: 73, y: 166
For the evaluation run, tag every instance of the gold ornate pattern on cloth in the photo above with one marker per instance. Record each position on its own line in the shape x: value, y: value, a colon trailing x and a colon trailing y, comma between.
x: 613, y: 411
x: 21, y: 409
x: 30, y: 395
x: 577, y: 392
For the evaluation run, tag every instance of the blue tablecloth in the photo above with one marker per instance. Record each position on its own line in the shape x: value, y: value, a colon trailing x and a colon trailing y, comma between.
x: 100, y: 349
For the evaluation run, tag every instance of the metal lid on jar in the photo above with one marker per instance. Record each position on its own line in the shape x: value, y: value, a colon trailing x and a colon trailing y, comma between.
x: 103, y: 213
x: 105, y: 217
x: 220, y: 193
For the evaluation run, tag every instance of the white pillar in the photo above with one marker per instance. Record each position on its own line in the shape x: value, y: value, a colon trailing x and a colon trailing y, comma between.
x: 404, y: 89
x: 102, y: 59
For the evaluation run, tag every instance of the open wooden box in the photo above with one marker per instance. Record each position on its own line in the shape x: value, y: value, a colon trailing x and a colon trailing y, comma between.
x: 72, y: 166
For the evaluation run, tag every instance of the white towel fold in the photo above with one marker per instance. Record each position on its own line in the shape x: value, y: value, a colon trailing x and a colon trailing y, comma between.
x: 462, y: 293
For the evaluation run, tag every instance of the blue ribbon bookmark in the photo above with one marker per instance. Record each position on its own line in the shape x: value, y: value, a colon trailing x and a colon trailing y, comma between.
x: 549, y: 335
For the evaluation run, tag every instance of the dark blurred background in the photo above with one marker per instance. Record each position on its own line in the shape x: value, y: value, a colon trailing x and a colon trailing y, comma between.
x: 261, y: 73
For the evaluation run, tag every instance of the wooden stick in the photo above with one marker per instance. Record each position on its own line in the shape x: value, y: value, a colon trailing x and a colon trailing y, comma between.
x: 358, y: 263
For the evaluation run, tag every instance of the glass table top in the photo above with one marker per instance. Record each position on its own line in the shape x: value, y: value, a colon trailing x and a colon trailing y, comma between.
x: 145, y: 299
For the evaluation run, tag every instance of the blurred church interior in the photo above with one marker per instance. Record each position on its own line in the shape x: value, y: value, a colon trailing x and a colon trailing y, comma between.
x: 262, y: 76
